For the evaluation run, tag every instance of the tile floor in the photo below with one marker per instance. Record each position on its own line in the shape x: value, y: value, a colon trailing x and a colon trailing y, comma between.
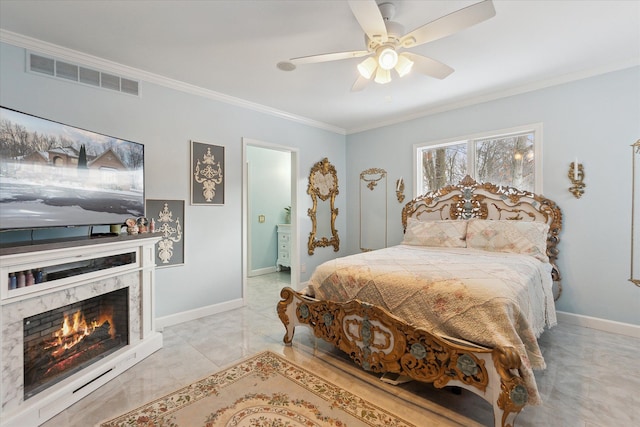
x: 591, y: 378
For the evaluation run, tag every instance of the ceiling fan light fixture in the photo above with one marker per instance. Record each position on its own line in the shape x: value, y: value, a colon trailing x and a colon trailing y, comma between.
x: 388, y: 58
x: 404, y: 65
x: 382, y: 76
x: 384, y: 38
x: 367, y: 67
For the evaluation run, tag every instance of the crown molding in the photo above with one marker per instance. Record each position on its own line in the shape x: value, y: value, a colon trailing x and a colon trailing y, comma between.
x: 63, y: 53
x: 467, y: 102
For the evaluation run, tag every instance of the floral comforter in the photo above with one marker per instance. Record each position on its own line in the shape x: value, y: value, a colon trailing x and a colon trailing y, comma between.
x: 488, y: 298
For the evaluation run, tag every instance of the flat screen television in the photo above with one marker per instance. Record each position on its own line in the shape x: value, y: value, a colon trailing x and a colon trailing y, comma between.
x: 55, y: 175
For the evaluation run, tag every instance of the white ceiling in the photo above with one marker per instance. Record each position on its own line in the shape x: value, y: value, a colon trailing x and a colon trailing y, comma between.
x: 232, y: 48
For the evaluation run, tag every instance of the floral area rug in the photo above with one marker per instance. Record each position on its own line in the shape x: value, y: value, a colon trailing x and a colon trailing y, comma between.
x: 265, y: 390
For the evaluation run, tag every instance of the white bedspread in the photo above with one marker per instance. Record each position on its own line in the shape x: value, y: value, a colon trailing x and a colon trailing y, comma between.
x: 488, y: 298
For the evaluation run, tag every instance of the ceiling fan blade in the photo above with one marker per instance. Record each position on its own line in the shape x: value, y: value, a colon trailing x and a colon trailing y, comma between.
x: 449, y: 24
x: 370, y: 19
x: 359, y: 84
x: 428, y: 66
x: 325, y: 57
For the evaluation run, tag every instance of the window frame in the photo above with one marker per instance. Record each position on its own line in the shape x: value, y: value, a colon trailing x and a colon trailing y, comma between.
x: 535, y: 128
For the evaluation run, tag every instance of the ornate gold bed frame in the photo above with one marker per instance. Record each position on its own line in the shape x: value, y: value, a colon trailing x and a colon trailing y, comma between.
x: 381, y: 342
x: 470, y: 199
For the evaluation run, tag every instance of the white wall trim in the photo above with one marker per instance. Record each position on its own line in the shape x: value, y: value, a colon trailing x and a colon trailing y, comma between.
x: 605, y: 325
x: 495, y: 94
x: 295, y: 173
x: 59, y: 52
x: 185, y: 316
x: 261, y: 271
x: 612, y: 326
x: 63, y: 53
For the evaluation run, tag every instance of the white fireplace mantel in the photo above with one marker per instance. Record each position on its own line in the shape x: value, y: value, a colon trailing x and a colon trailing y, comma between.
x: 18, y: 304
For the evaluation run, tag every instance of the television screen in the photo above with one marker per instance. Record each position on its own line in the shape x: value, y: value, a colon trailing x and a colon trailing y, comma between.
x: 54, y: 175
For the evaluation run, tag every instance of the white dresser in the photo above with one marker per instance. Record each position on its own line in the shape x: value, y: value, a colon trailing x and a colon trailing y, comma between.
x: 284, y: 246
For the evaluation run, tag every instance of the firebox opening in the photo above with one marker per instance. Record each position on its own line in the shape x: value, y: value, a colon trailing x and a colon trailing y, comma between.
x: 63, y: 341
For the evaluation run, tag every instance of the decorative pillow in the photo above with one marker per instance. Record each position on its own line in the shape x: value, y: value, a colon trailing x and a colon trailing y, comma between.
x: 444, y: 234
x: 522, y: 237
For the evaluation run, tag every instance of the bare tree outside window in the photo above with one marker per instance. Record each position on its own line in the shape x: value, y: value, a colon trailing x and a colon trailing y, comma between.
x: 500, y: 159
x: 443, y: 165
x: 506, y: 161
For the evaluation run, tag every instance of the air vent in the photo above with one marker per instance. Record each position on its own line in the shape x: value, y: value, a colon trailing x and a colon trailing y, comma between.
x: 77, y: 73
x: 129, y: 86
x: 66, y: 71
x: 40, y: 64
x: 89, y: 76
x: 110, y: 81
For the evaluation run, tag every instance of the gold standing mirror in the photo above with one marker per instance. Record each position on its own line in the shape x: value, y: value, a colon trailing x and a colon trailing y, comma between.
x: 373, y: 209
x: 635, y: 216
x: 323, y: 188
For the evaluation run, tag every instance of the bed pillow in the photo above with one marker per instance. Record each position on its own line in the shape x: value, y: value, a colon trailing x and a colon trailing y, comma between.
x: 443, y: 234
x: 522, y: 237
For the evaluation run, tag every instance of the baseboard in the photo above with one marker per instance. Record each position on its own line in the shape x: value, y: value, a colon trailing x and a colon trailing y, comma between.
x: 185, y: 316
x: 612, y: 326
x: 261, y: 271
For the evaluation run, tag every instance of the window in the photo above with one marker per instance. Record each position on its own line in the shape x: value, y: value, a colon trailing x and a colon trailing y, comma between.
x: 510, y: 157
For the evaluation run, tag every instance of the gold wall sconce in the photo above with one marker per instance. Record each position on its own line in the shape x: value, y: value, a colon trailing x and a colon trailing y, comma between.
x: 400, y: 190
x: 576, y: 176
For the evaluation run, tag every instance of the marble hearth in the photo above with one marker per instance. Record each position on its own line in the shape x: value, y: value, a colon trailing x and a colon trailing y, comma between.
x: 19, y: 304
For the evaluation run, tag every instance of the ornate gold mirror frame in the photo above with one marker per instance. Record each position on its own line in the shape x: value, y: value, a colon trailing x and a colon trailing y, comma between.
x: 635, y: 217
x: 373, y: 209
x: 323, y: 187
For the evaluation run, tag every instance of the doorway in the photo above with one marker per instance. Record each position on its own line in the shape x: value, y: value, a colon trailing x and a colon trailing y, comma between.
x: 269, y: 209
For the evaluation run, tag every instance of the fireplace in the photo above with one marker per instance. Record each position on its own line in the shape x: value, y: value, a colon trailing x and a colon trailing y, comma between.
x: 60, y: 342
x: 64, y: 337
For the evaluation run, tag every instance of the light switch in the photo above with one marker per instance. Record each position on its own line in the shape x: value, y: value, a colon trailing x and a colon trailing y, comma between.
x: 260, y: 218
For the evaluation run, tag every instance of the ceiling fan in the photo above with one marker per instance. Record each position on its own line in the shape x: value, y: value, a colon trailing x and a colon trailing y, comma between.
x: 385, y: 41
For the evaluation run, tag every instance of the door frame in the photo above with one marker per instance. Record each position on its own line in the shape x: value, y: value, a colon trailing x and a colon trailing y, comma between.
x: 246, y: 228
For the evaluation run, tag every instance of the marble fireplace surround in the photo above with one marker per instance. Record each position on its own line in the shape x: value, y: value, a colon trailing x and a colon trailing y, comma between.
x: 143, y: 340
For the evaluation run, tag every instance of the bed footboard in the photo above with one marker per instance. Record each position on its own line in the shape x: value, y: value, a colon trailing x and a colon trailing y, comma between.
x: 380, y: 342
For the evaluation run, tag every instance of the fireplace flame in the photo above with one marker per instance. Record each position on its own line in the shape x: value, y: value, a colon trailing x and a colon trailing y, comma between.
x: 75, y: 328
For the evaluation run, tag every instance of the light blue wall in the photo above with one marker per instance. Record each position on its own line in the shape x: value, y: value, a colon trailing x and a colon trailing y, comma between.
x: 165, y: 121
x: 595, y: 119
x: 269, y: 193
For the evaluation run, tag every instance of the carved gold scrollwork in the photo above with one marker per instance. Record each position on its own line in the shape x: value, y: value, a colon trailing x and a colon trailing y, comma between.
x: 356, y: 328
x: 470, y: 199
x: 323, y: 187
x: 372, y: 177
x: 513, y: 395
x: 386, y: 344
x: 322, y: 317
x: 365, y: 333
x: 431, y: 359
